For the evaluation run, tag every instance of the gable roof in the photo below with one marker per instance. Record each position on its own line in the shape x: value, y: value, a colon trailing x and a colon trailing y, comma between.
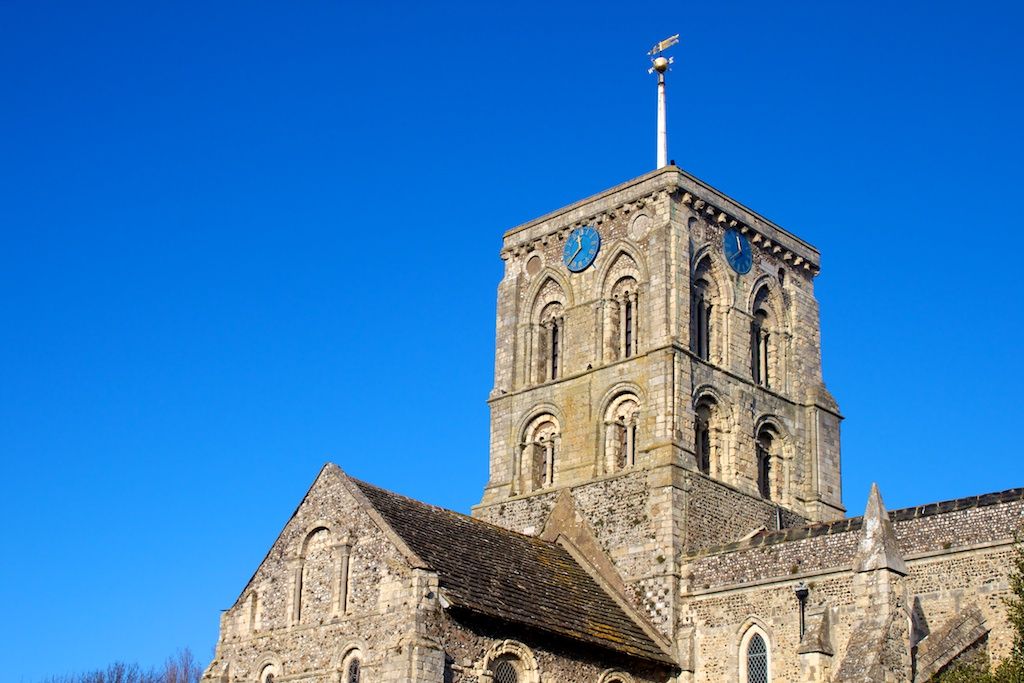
x: 499, y: 573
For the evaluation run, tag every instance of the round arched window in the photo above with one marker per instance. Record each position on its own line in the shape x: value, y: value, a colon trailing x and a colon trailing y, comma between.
x: 353, y: 674
x: 505, y: 672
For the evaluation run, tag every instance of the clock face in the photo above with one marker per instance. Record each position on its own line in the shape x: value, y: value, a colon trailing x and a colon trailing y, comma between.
x: 738, y: 251
x: 581, y: 248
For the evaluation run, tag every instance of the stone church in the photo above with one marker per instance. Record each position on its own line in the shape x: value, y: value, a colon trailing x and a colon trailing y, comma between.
x: 664, y: 494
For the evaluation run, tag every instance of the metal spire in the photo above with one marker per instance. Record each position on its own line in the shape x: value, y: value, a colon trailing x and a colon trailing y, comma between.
x: 660, y: 64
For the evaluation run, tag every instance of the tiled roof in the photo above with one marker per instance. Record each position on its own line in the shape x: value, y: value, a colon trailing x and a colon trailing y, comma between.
x: 521, y: 579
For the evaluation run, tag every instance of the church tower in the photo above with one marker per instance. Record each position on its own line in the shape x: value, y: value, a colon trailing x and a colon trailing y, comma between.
x: 658, y: 356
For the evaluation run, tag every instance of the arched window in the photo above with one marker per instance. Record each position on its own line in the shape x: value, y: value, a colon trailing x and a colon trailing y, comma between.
x: 764, y: 448
x: 624, y: 319
x: 352, y: 673
x: 535, y: 466
x: 759, y: 348
x: 702, y: 434
x: 268, y: 674
x: 621, y: 419
x: 760, y: 339
x: 545, y: 334
x: 505, y: 670
x: 510, y: 662
x: 615, y: 677
x: 251, y: 612
x: 315, y: 579
x: 700, y: 314
x: 757, y: 660
x: 620, y: 303
x: 703, y: 292
x: 552, y: 327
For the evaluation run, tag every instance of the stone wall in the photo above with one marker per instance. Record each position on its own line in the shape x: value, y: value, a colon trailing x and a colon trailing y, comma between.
x: 656, y: 229
x: 630, y: 516
x: 471, y: 645
x: 717, y: 514
x: 925, y: 529
x: 383, y: 596
x: 957, y: 553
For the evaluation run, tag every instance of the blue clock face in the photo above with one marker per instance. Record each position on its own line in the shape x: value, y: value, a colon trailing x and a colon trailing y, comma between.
x: 581, y: 248
x: 738, y: 251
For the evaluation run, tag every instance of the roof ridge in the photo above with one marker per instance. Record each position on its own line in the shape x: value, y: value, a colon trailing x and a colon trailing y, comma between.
x: 456, y: 513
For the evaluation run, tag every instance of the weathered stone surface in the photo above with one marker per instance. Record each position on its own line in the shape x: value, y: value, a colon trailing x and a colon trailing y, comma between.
x: 877, y: 548
x: 945, y: 644
x: 818, y: 635
x: 602, y: 402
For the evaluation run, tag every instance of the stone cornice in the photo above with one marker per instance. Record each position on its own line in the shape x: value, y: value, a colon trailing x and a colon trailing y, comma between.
x: 596, y: 210
x: 632, y: 196
x: 775, y: 247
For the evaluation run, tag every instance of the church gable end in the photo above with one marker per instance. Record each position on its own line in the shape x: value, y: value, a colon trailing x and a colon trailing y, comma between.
x: 334, y: 588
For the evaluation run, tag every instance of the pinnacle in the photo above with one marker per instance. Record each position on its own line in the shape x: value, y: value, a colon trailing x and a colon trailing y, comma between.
x: 878, y: 548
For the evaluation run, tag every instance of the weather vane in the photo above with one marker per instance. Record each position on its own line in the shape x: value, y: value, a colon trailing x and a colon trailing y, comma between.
x: 660, y: 63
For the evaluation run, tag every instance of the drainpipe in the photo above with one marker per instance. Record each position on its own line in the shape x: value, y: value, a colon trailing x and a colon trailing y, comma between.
x: 802, y: 591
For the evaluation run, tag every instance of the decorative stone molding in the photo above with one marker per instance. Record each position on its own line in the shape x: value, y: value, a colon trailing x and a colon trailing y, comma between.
x: 721, y: 217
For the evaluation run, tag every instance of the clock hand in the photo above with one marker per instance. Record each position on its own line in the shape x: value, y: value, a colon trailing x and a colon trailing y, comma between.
x: 739, y: 245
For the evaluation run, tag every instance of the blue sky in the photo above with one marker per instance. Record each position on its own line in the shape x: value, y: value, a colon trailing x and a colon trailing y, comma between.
x: 240, y: 239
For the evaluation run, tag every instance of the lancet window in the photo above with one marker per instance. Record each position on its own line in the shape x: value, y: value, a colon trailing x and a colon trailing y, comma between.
x: 701, y: 312
x: 702, y: 434
x: 702, y: 296
x: 760, y: 340
x: 757, y: 660
x: 765, y: 446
